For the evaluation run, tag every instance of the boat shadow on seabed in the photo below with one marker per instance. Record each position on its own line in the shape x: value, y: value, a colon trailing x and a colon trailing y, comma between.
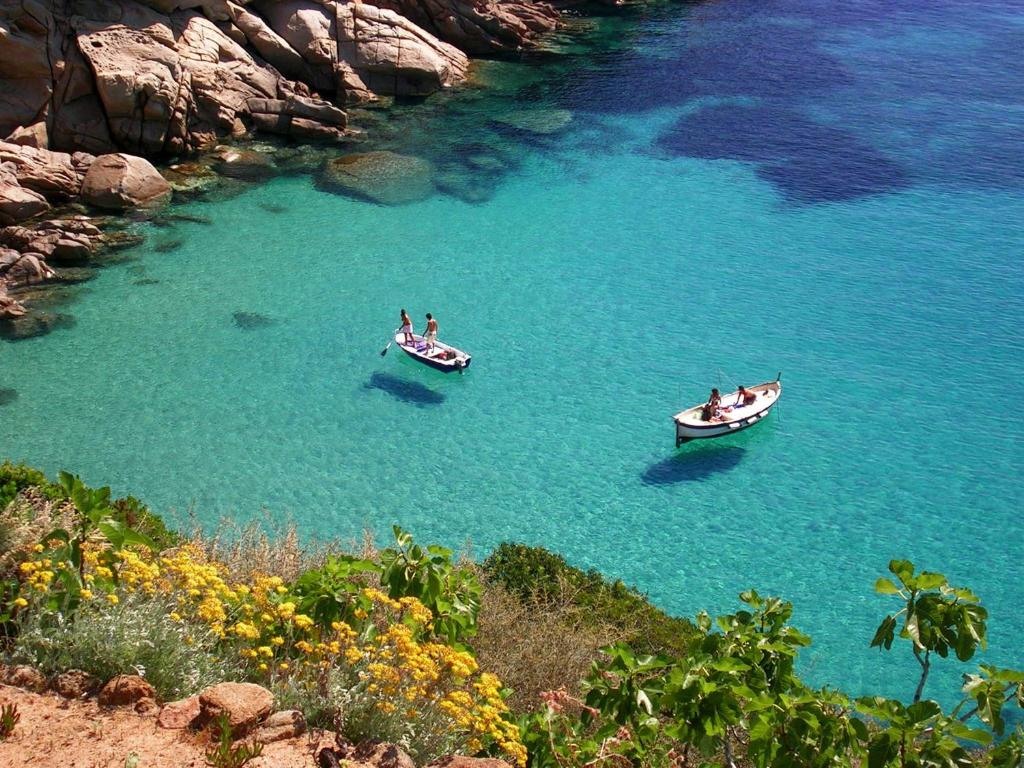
x: 404, y: 390
x: 693, y: 466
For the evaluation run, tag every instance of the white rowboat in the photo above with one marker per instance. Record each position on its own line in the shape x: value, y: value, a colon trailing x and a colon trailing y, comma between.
x: 734, y: 417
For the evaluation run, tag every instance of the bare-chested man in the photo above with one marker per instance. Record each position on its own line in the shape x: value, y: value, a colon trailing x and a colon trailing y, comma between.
x: 431, y: 334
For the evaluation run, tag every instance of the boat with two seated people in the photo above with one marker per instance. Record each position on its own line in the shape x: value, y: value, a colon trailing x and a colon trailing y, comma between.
x: 439, y: 356
x: 735, y: 411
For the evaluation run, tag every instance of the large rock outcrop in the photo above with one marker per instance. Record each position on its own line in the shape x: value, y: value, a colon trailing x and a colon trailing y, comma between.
x: 480, y: 26
x: 357, y: 50
x: 162, y: 77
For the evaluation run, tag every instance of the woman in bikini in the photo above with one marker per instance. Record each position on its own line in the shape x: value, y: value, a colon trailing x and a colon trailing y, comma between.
x: 407, y: 327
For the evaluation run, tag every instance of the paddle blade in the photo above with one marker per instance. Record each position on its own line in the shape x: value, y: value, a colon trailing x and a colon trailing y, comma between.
x: 384, y: 351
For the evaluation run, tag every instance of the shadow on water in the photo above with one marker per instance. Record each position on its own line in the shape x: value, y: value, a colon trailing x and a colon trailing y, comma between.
x: 251, y: 321
x: 8, y: 396
x: 405, y: 390
x: 693, y: 465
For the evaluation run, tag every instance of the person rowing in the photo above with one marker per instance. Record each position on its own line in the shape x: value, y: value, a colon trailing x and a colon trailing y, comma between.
x: 407, y: 327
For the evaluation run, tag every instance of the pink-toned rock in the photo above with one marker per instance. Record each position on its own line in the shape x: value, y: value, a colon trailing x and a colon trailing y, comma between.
x: 281, y: 725
x: 26, y: 677
x: 75, y: 684
x: 121, y: 181
x: 245, y: 704
x: 52, y: 174
x: 179, y: 714
x: 125, y: 690
x: 34, y: 135
x: 481, y: 26
x: 17, y: 203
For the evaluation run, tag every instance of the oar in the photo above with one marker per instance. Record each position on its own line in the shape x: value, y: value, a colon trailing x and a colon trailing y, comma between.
x: 385, y: 350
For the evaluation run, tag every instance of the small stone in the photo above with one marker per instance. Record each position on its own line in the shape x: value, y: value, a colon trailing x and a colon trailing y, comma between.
x: 125, y: 690
x: 460, y: 761
x: 245, y: 704
x: 380, y: 754
x: 147, y: 706
x: 281, y: 725
x: 179, y: 714
x: 26, y: 677
x: 75, y: 684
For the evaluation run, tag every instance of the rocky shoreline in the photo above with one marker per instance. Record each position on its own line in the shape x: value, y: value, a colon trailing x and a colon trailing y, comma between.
x: 91, y: 92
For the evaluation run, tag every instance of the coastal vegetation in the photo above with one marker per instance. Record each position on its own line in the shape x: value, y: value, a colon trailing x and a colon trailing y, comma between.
x: 403, y: 644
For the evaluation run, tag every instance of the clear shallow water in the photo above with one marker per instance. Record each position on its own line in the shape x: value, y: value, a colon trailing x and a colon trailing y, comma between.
x: 833, y: 192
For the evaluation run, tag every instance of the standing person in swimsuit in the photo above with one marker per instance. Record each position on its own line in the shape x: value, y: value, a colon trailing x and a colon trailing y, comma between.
x: 407, y: 327
x: 431, y: 334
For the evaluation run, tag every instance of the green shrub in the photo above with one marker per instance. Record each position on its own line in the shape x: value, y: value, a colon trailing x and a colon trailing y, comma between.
x: 533, y: 573
x: 138, y: 635
x: 17, y: 477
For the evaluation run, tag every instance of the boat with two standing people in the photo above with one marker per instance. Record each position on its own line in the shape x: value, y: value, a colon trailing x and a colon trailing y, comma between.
x: 427, y: 349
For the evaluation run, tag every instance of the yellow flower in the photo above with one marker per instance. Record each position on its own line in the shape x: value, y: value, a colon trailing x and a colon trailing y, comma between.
x: 286, y: 610
x: 277, y: 641
x: 21, y: 602
x: 303, y: 622
x: 175, y: 616
x: 86, y: 594
x: 283, y: 666
x: 263, y: 667
x: 38, y: 548
x: 112, y: 599
x: 281, y: 590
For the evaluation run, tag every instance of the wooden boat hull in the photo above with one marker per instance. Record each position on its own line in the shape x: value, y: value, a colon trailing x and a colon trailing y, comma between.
x: 689, y: 426
x: 434, y: 358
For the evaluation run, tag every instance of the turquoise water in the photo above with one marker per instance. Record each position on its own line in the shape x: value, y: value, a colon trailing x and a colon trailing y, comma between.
x: 745, y: 188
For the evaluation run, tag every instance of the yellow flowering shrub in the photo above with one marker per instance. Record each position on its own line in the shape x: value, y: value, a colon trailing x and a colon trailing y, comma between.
x: 381, y: 675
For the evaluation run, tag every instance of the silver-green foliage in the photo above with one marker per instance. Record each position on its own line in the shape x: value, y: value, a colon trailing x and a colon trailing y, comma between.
x: 136, y: 636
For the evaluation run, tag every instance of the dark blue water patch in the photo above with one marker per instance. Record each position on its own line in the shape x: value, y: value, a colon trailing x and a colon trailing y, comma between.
x: 8, y: 396
x: 693, y: 465
x: 808, y: 161
x: 404, y: 390
x: 766, y: 61
x: 251, y: 321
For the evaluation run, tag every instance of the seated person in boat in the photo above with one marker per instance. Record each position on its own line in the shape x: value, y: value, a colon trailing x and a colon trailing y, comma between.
x: 712, y: 410
x: 745, y: 396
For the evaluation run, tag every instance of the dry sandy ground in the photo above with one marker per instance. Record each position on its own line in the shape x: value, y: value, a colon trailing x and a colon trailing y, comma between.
x: 55, y: 731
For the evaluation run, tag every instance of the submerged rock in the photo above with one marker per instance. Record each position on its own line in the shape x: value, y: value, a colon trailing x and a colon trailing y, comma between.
x: 168, y: 245
x: 272, y: 207
x: 538, y: 121
x: 244, y: 164
x: 33, y: 324
x: 146, y: 281
x: 387, y: 178
x: 250, y: 321
x: 8, y: 396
